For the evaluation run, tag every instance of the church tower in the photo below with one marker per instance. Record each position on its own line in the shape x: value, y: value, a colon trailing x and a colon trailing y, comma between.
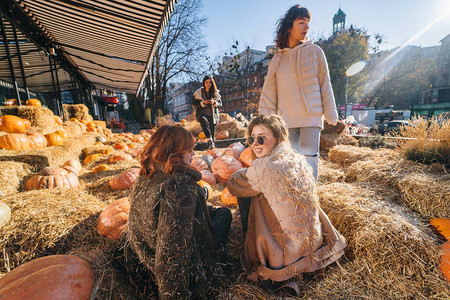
x: 338, y: 22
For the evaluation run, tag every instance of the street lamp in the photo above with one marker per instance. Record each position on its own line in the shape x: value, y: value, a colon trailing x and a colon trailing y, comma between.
x: 352, y: 70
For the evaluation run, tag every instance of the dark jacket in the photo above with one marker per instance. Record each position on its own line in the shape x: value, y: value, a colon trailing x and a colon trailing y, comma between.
x: 171, y: 232
x: 208, y: 109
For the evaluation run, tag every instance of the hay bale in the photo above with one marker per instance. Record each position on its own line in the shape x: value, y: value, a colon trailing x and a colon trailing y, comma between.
x: 224, y: 118
x: 193, y: 126
x: 74, y: 128
x: 11, y: 175
x: 101, y: 124
x: 330, y: 172
x: 49, y: 156
x: 423, y: 188
x: 39, y: 116
x: 228, y: 125
x: 345, y: 155
x: 41, y: 223
x: 78, y: 111
x: 329, y: 140
x: 238, y: 132
x: 391, y: 253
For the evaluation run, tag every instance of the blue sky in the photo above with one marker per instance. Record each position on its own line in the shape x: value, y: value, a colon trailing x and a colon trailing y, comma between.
x: 253, y: 22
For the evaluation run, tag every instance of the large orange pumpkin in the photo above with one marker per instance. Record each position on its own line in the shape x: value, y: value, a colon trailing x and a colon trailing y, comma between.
x: 54, y: 139
x: 33, y: 102
x: 62, y: 133
x: 227, y: 198
x: 443, y: 226
x: 10, y: 102
x: 246, y: 157
x: 120, y: 157
x: 72, y: 165
x: 215, y: 152
x: 92, y: 157
x: 208, y: 177
x: 125, y: 179
x: 27, y: 123
x: 37, y: 140
x: 113, y: 220
x: 199, y: 164
x: 445, y: 260
x: 100, y: 168
x: 12, y: 124
x: 108, y: 152
x: 237, y: 149
x: 14, y: 141
x: 49, y: 277
x: 222, y: 135
x: 52, y: 177
x: 224, y: 166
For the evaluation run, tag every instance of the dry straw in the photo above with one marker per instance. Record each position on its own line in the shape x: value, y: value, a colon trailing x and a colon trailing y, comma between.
x: 11, y: 174
x: 78, y: 111
x: 330, y: 172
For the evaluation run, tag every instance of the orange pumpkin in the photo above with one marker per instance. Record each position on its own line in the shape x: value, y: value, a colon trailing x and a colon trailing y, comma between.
x: 74, y: 163
x: 443, y: 226
x: 54, y: 139
x: 121, y: 146
x: 108, y: 152
x: 246, y: 157
x: 183, y: 121
x: 92, y: 157
x: 90, y: 125
x: 215, y: 153
x: 52, y: 177
x: 224, y: 166
x: 74, y: 120
x: 27, y: 123
x: 227, y: 198
x: 14, y: 141
x: 49, y: 277
x: 100, y: 168
x: 62, y: 133
x: 37, y: 140
x: 58, y: 120
x: 33, y: 102
x: 120, y: 157
x: 206, y: 185
x: 137, y: 139
x: 237, y: 149
x: 222, y: 135
x: 202, y: 135
x: 131, y: 146
x: 113, y: 220
x: 125, y: 179
x: 12, y: 124
x: 199, y: 164
x: 83, y: 121
x: 10, y: 102
x: 445, y: 260
x: 208, y: 177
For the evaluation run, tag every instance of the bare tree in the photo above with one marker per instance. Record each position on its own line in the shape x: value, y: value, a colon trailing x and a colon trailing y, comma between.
x: 180, y: 54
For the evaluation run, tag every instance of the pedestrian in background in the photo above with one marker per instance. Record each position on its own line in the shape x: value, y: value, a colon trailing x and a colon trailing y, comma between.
x: 207, y: 101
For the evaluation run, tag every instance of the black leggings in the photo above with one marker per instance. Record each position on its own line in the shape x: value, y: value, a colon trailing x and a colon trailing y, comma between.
x: 208, y: 126
x: 244, y: 211
x: 221, y: 218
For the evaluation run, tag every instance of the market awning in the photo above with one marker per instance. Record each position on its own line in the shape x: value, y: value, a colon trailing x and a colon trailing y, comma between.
x: 108, y: 43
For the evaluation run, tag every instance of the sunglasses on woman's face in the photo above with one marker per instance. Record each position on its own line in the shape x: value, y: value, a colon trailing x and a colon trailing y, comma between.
x: 259, y: 139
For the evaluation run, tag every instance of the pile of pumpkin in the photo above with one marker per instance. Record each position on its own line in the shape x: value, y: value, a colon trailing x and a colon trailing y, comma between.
x: 17, y: 137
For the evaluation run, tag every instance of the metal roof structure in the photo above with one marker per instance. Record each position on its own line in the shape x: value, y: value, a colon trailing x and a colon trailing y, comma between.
x: 106, y: 44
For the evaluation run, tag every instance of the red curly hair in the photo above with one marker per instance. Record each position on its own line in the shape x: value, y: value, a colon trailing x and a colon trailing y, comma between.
x: 164, y: 150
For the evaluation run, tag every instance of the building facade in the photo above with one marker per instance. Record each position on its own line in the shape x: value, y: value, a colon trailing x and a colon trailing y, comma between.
x: 182, y: 99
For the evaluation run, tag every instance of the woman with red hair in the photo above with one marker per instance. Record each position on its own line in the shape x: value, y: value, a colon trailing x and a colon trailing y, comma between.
x: 172, y: 233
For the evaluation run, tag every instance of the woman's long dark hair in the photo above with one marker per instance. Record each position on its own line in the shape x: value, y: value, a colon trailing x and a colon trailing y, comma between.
x: 285, y: 24
x: 213, y: 90
x: 165, y: 150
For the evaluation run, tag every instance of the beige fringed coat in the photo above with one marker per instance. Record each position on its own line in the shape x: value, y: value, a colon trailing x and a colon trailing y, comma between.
x: 288, y: 233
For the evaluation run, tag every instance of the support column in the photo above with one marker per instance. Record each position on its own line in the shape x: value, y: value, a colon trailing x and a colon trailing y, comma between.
x: 59, y: 91
x: 11, y: 67
x: 53, y: 84
x: 19, y: 56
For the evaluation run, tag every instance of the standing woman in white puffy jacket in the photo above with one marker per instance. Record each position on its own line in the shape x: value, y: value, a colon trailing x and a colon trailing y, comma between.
x: 297, y: 86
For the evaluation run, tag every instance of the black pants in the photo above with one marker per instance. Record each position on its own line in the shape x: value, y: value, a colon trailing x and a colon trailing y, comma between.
x: 244, y: 211
x: 208, y: 126
x: 221, y: 218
